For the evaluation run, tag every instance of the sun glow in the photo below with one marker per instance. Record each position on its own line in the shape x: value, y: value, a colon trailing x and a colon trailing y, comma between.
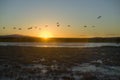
x: 46, y: 35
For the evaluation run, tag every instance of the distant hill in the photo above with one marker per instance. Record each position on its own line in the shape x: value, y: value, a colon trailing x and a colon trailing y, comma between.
x: 13, y: 36
x: 23, y: 38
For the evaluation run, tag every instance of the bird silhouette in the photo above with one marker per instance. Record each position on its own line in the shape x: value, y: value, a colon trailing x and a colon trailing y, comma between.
x: 99, y: 17
x: 93, y: 26
x: 35, y: 27
x: 3, y: 27
x: 20, y: 29
x: 46, y: 25
x: 29, y: 28
x: 68, y: 25
x: 58, y: 25
x: 14, y: 27
x: 85, y: 26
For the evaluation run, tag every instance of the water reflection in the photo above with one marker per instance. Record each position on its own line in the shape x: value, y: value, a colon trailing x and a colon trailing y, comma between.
x: 69, y: 45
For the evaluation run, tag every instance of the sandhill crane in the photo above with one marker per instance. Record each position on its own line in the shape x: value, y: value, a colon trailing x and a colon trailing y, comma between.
x: 3, y: 27
x: 99, y: 17
x: 29, y: 28
x: 20, y: 29
x: 35, y: 27
x: 93, y: 26
x: 14, y: 27
x: 58, y: 24
x: 46, y: 25
x: 85, y: 26
x: 68, y: 25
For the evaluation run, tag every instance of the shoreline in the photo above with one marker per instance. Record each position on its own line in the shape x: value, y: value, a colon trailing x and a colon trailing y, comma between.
x: 59, y: 45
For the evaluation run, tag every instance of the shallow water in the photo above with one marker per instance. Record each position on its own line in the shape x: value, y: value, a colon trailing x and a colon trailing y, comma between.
x: 69, y: 45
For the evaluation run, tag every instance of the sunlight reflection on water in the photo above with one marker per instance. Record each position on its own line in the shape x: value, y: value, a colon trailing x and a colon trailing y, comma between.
x: 69, y: 45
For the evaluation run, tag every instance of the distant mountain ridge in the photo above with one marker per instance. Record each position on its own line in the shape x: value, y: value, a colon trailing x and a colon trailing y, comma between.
x: 13, y: 36
x: 24, y: 38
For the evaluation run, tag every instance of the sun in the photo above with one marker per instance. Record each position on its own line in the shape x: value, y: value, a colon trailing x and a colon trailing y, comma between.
x: 46, y: 35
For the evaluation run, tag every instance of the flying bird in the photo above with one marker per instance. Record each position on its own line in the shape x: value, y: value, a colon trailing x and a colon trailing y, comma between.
x: 85, y: 26
x: 3, y: 27
x: 68, y: 25
x: 14, y: 27
x: 29, y: 28
x: 58, y: 24
x: 93, y: 26
x: 20, y: 29
x: 35, y: 27
x: 46, y: 25
x: 99, y: 17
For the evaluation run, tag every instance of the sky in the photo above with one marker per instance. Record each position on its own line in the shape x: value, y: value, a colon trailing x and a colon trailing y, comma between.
x: 77, y: 13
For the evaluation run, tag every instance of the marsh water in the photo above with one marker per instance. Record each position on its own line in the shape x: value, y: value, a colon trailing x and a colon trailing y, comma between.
x: 69, y: 62
x: 69, y: 45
